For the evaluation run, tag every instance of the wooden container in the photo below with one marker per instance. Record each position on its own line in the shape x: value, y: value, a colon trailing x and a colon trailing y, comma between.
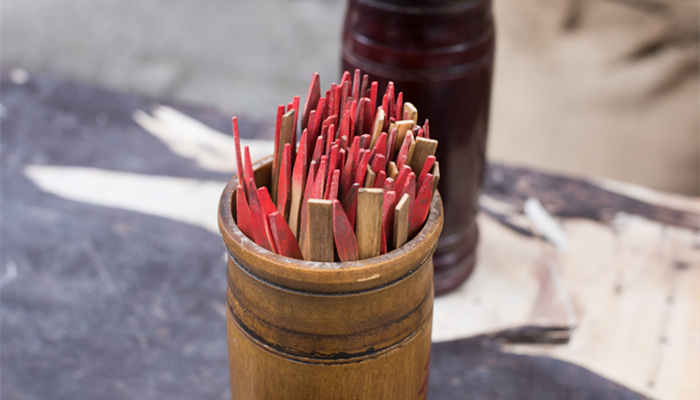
x: 311, y: 330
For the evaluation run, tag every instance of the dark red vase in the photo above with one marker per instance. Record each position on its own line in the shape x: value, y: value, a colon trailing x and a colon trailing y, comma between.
x: 440, y: 54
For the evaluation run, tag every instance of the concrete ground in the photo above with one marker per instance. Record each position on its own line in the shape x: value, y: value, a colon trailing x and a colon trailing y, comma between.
x: 605, y: 88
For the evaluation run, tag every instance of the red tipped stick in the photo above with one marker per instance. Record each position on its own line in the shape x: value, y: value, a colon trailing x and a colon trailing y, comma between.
x: 248, y: 168
x: 427, y: 167
x: 399, y: 107
x: 388, y: 184
x: 285, y: 242
x: 243, y: 213
x: 320, y: 180
x: 426, y: 129
x: 257, y: 219
x: 388, y: 219
x: 379, y: 180
x: 344, y: 235
x: 318, y: 149
x: 268, y: 207
x: 362, y: 168
x: 391, y: 111
x: 303, y: 217
x: 332, y: 188
x: 312, y: 98
x: 347, y: 176
x: 391, y: 141
x: 239, y: 159
x: 278, y: 129
x: 356, y: 85
x: 379, y: 163
x: 332, y: 100
x: 350, y: 203
x: 374, y: 88
x: 401, y: 177
x: 403, y: 151
x: 365, y: 141
x: 298, y: 182
x: 422, y: 205
x: 284, y: 182
x: 337, y: 99
x: 295, y: 107
x: 332, y: 165
x: 365, y: 83
x: 409, y: 188
x: 344, y: 95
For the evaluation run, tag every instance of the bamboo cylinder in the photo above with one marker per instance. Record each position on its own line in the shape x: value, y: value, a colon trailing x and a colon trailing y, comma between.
x: 313, y: 330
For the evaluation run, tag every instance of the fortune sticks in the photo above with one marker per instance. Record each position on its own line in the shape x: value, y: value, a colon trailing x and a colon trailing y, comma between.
x: 358, y: 184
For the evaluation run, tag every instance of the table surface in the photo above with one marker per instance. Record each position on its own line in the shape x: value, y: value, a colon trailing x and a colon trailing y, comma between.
x: 112, y: 275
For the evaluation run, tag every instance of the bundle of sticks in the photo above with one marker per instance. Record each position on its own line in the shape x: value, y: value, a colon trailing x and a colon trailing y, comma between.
x: 357, y: 184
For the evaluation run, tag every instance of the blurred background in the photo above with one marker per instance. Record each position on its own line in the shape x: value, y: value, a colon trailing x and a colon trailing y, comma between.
x: 607, y: 88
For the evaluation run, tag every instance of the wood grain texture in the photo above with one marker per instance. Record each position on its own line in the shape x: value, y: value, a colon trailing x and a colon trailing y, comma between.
x: 320, y: 230
x: 343, y: 234
x: 368, y: 225
x: 401, y: 221
x: 423, y: 149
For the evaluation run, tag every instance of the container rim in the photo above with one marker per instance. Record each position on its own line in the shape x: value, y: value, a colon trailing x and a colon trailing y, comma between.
x: 326, y: 277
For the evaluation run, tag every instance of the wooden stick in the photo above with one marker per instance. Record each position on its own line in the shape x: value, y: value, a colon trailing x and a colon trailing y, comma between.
x: 401, y: 222
x: 239, y: 159
x: 356, y: 85
x: 318, y: 149
x: 379, y: 180
x: 411, y: 148
x: 409, y: 187
x: 268, y: 207
x: 426, y: 129
x: 388, y: 184
x: 320, y: 241
x: 243, y: 213
x: 369, y: 222
x: 286, y: 136
x: 312, y: 98
x: 350, y: 203
x: 362, y: 168
x: 373, y: 98
x: 427, y: 167
x: 436, y: 176
x: 332, y: 190
x: 308, y: 190
x: 257, y: 219
x: 377, y: 126
x: 421, y: 207
x: 285, y: 242
x: 295, y: 107
x: 365, y: 83
x: 369, y: 178
x: 392, y: 170
x: 275, y: 153
x: 347, y: 176
x: 345, y: 241
x: 390, y: 143
x: 402, y: 127
x: 423, y: 149
x: 388, y: 220
x: 248, y: 167
x: 399, y: 107
x: 402, y: 176
x: 410, y: 112
x: 284, y: 183
x: 298, y: 183
x: 379, y: 163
